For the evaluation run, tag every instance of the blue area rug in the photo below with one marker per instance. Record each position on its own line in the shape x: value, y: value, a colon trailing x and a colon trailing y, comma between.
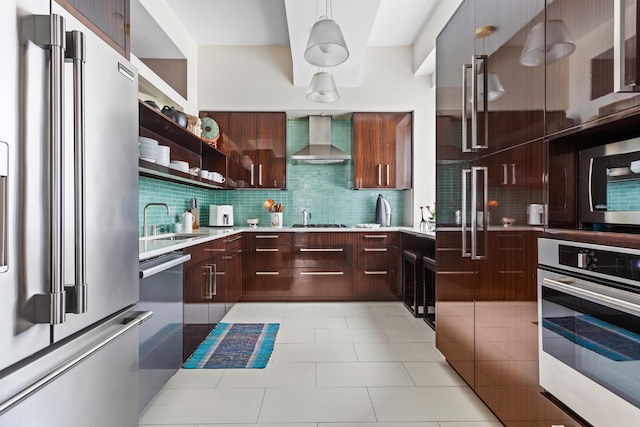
x: 596, y: 335
x: 235, y: 345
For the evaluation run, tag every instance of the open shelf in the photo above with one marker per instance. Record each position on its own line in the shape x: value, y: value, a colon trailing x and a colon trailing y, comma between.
x: 164, y: 173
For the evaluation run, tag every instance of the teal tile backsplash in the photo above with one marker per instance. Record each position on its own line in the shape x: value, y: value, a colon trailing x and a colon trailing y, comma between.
x: 323, y: 190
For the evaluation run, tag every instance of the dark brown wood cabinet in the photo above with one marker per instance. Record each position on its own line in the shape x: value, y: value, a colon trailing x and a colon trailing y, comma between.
x: 382, y: 149
x: 212, y: 281
x: 376, y: 265
x: 321, y: 266
x: 581, y: 84
x: 255, y: 144
x: 486, y: 294
x: 109, y: 19
x: 266, y: 266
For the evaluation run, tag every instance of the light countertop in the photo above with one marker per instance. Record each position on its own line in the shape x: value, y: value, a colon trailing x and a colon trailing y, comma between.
x: 158, y: 245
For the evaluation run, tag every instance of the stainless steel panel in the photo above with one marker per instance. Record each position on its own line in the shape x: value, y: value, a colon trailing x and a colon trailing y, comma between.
x: 23, y: 112
x: 99, y: 391
x: 111, y: 179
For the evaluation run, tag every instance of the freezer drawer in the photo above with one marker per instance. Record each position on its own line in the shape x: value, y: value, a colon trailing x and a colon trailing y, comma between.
x: 91, y: 380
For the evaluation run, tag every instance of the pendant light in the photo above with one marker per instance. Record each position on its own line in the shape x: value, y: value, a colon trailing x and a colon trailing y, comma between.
x: 326, y: 46
x: 322, y: 88
x: 496, y: 90
x: 558, y: 45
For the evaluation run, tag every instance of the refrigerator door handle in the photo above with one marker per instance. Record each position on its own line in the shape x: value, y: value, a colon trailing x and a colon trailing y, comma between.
x: 4, y: 198
x: 48, y: 32
x: 76, y: 54
x: 73, y: 361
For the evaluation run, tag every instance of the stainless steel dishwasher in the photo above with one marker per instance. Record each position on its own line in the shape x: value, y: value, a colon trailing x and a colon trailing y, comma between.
x: 161, y: 336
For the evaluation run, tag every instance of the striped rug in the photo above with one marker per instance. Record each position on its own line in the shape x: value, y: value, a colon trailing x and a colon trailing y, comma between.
x: 235, y: 345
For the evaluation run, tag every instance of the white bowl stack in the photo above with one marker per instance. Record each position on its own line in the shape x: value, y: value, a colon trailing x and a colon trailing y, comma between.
x: 179, y: 165
x: 163, y: 155
x: 148, y: 149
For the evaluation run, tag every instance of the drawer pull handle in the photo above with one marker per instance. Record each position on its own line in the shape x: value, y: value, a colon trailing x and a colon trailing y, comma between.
x: 234, y: 239
x: 375, y: 249
x: 375, y: 236
x: 267, y: 236
x: 375, y: 272
x: 322, y: 273
x: 267, y: 249
x: 267, y: 273
x: 214, y: 250
x: 321, y: 250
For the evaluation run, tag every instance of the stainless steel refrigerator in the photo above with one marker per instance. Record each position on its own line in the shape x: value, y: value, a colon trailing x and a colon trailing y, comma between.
x: 68, y: 223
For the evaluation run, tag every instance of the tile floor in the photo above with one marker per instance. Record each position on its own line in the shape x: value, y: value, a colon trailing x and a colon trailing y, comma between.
x: 361, y: 364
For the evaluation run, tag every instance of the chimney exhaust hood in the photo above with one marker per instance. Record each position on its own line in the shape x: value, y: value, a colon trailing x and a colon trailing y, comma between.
x: 320, y: 151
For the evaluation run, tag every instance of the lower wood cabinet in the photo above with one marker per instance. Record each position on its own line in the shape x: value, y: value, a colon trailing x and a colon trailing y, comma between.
x: 321, y: 266
x: 212, y: 279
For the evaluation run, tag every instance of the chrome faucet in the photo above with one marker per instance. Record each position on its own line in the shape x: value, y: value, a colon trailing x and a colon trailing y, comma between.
x: 144, y: 216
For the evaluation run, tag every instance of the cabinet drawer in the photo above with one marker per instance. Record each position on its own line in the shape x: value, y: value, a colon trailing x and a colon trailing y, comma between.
x: 321, y: 238
x: 322, y: 256
x: 266, y: 282
x: 326, y: 283
x: 261, y: 240
x: 382, y: 257
x: 378, y: 239
x: 274, y: 257
x: 234, y: 242
x: 375, y: 282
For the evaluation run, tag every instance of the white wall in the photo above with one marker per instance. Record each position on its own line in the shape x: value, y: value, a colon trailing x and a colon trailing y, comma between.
x: 236, y: 78
x: 164, y: 16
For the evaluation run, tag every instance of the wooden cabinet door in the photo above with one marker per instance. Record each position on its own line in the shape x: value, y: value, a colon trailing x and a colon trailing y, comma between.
x: 397, y: 150
x: 109, y: 19
x: 581, y: 85
x: 271, y: 154
x: 367, y: 154
x: 242, y: 136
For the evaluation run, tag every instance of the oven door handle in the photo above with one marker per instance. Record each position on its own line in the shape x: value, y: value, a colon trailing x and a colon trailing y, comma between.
x: 565, y: 285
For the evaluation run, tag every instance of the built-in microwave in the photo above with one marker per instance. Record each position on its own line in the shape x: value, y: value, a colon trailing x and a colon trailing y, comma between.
x: 610, y: 184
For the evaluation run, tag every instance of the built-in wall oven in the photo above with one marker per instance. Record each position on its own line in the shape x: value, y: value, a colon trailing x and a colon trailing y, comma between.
x: 589, y: 329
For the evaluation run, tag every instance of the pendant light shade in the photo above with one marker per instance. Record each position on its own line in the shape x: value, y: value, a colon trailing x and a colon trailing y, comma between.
x: 326, y: 46
x: 559, y: 44
x: 496, y: 90
x: 322, y: 88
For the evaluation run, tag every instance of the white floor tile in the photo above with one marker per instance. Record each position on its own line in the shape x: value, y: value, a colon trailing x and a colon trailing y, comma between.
x: 350, y: 335
x: 433, y: 374
x: 428, y: 404
x: 274, y: 375
x: 363, y: 374
x: 169, y: 425
x: 410, y: 335
x: 288, y: 405
x: 342, y: 310
x: 314, y: 322
x: 258, y: 425
x: 295, y: 336
x: 394, y: 424
x: 195, y: 378
x: 472, y: 424
x: 395, y: 352
x: 378, y: 322
x: 300, y: 353
x: 199, y: 406
x: 391, y: 310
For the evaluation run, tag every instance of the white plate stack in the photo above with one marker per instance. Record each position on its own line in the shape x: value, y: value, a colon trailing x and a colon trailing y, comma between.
x: 179, y: 165
x: 163, y: 155
x: 148, y: 149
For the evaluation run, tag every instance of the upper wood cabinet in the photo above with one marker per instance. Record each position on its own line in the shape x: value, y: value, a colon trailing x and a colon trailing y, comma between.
x: 256, y: 146
x: 583, y: 84
x: 109, y: 19
x: 382, y: 145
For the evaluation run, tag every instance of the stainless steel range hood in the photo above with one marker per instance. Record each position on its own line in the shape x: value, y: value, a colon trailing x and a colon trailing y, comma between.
x: 320, y: 151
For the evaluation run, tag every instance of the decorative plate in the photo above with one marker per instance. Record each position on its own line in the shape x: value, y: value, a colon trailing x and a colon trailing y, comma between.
x: 210, y: 129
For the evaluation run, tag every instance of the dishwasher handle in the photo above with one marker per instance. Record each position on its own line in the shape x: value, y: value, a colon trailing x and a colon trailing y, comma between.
x: 159, y: 267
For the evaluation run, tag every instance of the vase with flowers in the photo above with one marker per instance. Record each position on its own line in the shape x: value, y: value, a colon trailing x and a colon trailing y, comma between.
x: 431, y: 221
x: 276, y: 210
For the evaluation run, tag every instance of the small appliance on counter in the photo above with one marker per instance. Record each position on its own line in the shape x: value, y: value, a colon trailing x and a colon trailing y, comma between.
x: 535, y: 214
x: 220, y: 216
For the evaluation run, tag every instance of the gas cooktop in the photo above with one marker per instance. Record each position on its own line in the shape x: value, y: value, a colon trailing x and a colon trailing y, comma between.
x: 320, y: 226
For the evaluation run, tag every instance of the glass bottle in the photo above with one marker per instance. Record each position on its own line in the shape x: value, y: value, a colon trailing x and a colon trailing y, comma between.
x: 423, y: 223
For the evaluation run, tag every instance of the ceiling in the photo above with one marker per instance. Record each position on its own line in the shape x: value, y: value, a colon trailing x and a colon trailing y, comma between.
x: 364, y: 23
